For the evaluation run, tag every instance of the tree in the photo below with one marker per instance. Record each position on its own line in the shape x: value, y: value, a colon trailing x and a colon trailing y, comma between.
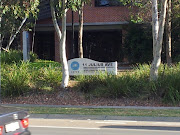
x: 80, y: 6
x: 0, y: 23
x: 80, y: 46
x: 13, y: 16
x: 62, y: 8
x: 168, y: 34
x: 175, y: 30
x: 158, y: 30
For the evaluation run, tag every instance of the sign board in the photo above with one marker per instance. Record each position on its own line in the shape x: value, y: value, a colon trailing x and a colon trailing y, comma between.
x: 84, y: 66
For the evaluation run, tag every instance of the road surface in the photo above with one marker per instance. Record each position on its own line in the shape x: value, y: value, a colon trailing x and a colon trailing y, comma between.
x: 102, y: 127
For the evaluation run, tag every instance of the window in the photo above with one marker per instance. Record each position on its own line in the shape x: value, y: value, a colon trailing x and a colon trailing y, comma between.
x: 102, y: 3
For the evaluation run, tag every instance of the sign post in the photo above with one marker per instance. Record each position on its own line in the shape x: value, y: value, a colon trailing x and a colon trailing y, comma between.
x: 26, y: 46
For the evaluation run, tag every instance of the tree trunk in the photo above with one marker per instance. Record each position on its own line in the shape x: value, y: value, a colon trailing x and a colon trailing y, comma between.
x: 155, y: 23
x: 63, y: 57
x: 0, y: 26
x: 18, y: 30
x: 0, y: 35
x: 80, y: 46
x: 158, y: 43
x: 168, y: 34
x: 34, y: 33
x: 62, y: 39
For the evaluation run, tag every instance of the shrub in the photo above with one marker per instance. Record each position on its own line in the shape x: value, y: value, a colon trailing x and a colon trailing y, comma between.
x: 136, y: 84
x: 20, y: 78
x: 168, y: 83
x: 138, y: 43
x: 177, y: 58
x: 15, y: 56
x: 50, y: 76
x: 33, y: 57
x: 14, y: 79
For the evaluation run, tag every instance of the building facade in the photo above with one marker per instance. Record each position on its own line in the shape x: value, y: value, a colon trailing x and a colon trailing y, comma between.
x: 105, y: 22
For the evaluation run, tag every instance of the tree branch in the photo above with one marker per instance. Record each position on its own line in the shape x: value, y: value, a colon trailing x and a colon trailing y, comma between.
x: 13, y: 37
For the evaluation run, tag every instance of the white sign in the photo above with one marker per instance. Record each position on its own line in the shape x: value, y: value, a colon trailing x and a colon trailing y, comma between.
x: 83, y: 66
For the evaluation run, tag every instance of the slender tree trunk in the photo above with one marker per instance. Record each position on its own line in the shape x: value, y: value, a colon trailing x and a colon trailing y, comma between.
x: 18, y: 30
x: 168, y: 34
x: 63, y: 57
x: 34, y: 33
x: 155, y: 23
x: 0, y: 26
x: 55, y: 23
x: 158, y: 43
x: 62, y: 39
x: 73, y: 49
x: 0, y: 34
x: 80, y: 46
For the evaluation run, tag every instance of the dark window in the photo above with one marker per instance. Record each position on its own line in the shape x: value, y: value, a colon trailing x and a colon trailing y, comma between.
x: 102, y: 3
x: 44, y: 10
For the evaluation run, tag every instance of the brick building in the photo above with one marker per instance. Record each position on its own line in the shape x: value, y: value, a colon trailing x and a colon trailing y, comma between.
x: 104, y: 23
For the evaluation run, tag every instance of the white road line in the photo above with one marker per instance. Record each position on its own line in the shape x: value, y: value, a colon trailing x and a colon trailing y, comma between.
x: 64, y: 127
x: 115, y: 122
x: 120, y: 121
x: 106, y: 122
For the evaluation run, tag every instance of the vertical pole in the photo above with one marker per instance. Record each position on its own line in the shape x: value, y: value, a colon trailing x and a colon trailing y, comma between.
x: 25, y: 46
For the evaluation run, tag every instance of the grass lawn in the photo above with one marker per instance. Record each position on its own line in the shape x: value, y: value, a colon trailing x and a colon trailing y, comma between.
x: 106, y: 111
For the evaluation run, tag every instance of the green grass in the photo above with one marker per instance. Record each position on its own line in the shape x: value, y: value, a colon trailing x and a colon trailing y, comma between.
x: 22, y: 77
x: 44, y: 63
x: 108, y: 111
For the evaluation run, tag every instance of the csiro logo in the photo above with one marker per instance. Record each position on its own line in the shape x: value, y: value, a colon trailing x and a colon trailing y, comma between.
x: 74, y: 65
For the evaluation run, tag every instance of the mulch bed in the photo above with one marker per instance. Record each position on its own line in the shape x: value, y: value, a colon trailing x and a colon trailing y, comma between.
x: 73, y: 97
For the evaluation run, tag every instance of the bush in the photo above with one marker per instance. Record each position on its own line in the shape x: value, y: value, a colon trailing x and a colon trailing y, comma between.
x: 168, y: 83
x: 15, y: 56
x: 138, y: 43
x: 136, y: 84
x: 15, y: 79
x: 176, y: 58
x: 33, y: 57
x: 47, y: 77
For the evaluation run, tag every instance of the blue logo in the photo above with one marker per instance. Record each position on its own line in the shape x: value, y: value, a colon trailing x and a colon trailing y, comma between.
x: 75, y: 65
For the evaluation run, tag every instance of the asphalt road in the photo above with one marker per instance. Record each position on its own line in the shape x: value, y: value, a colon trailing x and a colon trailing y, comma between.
x: 111, y: 131
x: 102, y: 127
